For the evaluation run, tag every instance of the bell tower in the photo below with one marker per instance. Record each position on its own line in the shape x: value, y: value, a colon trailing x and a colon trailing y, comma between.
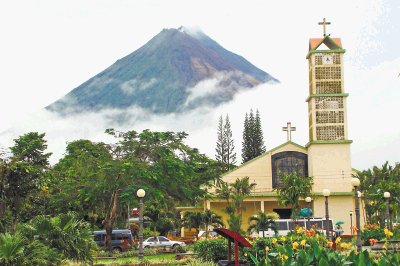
x: 328, y: 146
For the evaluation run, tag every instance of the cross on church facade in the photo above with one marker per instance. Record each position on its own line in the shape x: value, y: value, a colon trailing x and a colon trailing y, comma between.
x: 324, y: 23
x: 289, y: 130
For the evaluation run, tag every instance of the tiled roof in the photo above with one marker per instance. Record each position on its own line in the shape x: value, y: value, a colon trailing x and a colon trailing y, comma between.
x: 315, y: 42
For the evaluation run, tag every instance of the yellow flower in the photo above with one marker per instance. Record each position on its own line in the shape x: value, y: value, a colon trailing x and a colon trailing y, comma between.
x: 329, y: 244
x: 387, y: 233
x: 299, y: 230
x: 303, y: 242
x: 274, y: 240
x: 283, y: 239
x: 283, y: 257
x: 266, y: 249
x: 337, y: 241
x: 295, y: 245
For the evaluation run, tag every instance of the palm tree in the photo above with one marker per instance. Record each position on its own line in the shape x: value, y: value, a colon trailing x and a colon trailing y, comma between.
x: 211, y: 218
x: 262, y: 222
x: 65, y: 233
x: 11, y: 249
x: 193, y: 220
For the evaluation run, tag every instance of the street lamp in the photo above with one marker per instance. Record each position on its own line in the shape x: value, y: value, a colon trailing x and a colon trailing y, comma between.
x: 308, y: 200
x: 326, y: 192
x: 351, y: 222
x: 386, y: 195
x: 355, y: 182
x: 140, y: 193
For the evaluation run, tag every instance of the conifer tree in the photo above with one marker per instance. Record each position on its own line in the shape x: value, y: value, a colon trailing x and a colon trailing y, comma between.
x: 221, y: 143
x: 225, y: 150
x: 230, y: 147
x: 258, y: 142
x: 253, y: 140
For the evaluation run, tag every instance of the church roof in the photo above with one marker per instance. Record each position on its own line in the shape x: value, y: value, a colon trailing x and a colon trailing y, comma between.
x: 264, y: 154
x: 333, y: 44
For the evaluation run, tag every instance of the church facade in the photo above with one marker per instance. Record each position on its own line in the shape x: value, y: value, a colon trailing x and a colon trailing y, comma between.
x: 326, y: 157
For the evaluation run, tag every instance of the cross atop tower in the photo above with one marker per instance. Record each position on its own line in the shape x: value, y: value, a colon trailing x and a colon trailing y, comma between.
x: 289, y: 130
x: 324, y: 23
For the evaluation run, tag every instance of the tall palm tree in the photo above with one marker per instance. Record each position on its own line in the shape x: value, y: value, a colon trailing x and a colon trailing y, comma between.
x: 193, y: 220
x: 262, y: 222
x: 211, y: 218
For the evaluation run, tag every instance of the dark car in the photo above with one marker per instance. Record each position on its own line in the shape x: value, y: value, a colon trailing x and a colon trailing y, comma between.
x: 121, y: 240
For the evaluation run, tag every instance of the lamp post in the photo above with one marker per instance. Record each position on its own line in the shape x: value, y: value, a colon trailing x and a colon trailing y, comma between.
x: 326, y: 192
x: 308, y: 200
x: 351, y: 222
x: 355, y: 182
x: 140, y: 193
x: 386, y: 195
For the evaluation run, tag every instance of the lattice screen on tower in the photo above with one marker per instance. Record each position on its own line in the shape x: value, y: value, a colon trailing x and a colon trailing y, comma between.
x: 324, y: 87
x: 328, y: 72
x: 329, y: 103
x: 333, y: 132
x: 318, y: 59
x: 336, y: 58
x: 329, y: 117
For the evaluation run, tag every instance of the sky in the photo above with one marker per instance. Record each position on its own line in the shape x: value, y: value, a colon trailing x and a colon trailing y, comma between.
x: 49, y: 47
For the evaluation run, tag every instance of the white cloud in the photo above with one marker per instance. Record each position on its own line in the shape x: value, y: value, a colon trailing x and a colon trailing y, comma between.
x: 86, y: 37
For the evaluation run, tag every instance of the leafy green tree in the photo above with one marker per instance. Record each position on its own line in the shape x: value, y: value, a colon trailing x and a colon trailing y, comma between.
x: 293, y: 188
x: 253, y: 140
x: 262, y: 222
x: 24, y: 172
x: 102, y: 178
x: 376, y: 181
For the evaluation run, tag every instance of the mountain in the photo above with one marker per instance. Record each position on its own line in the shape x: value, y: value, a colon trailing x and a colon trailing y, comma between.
x: 177, y: 69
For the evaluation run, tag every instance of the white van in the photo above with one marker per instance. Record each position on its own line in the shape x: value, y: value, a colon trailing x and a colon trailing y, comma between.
x: 284, y: 226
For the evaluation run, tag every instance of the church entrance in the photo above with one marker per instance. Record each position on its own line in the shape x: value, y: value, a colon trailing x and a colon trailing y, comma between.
x: 283, y: 213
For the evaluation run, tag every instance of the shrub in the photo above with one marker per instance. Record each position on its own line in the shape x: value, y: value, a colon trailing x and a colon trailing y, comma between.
x: 211, y: 249
x: 371, y: 231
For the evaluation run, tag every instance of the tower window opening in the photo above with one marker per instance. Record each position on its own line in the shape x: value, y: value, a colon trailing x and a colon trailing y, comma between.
x: 326, y: 87
x: 324, y: 72
x: 334, y: 132
x: 324, y: 117
x: 328, y: 103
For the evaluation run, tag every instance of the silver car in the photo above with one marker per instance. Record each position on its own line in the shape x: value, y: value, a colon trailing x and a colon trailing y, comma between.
x: 161, y: 242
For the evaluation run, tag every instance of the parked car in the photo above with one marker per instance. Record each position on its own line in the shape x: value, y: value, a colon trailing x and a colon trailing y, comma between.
x: 121, y: 240
x: 204, y: 234
x: 161, y: 242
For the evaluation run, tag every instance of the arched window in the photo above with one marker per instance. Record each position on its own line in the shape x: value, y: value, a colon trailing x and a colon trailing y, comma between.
x: 288, y: 162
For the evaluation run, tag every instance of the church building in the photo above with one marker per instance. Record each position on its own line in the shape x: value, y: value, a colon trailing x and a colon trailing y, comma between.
x: 326, y: 157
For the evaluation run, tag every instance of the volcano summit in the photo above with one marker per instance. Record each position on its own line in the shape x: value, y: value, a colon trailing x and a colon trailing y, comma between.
x: 177, y: 70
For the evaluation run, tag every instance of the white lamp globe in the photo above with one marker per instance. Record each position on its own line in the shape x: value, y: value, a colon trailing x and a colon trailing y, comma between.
x: 355, y: 182
x: 326, y: 192
x: 308, y: 199
x: 141, y: 193
x: 386, y: 195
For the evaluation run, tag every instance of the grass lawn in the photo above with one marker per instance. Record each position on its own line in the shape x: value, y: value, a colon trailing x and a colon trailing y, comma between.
x: 167, y: 258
